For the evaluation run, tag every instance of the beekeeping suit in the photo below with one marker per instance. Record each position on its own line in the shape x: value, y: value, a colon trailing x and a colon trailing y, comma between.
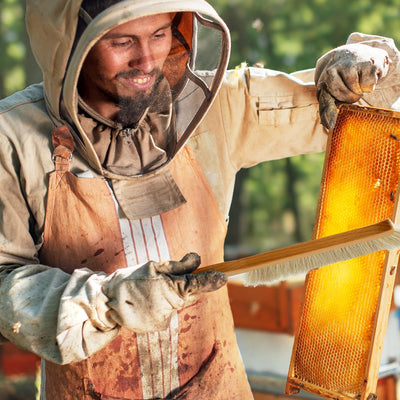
x: 91, y: 208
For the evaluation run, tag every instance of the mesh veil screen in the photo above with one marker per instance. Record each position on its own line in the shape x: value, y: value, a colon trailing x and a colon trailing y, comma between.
x: 332, y: 347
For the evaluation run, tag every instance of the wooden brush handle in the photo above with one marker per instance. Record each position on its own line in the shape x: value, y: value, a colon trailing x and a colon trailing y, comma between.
x: 306, y: 249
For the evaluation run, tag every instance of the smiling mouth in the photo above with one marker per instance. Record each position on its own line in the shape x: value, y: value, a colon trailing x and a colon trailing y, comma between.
x: 142, y: 81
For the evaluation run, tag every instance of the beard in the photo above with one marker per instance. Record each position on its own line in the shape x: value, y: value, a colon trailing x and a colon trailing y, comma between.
x: 132, y: 108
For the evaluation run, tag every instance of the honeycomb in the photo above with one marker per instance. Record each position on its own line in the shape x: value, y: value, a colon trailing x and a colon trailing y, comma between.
x: 362, y: 170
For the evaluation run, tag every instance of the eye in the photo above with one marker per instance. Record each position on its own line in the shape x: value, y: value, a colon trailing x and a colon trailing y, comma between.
x: 159, y: 35
x: 162, y: 34
x: 122, y: 42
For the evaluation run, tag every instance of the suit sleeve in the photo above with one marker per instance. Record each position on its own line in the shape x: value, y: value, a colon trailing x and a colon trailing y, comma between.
x: 58, y: 316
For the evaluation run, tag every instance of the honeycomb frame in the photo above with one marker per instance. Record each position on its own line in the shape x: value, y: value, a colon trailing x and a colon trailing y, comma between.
x: 338, y: 344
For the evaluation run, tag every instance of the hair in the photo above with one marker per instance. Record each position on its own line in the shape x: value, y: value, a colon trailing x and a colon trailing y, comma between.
x: 95, y: 7
x: 92, y: 8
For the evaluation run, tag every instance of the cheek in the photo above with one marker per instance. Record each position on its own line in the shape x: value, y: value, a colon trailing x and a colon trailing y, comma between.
x: 105, y: 63
x: 111, y: 67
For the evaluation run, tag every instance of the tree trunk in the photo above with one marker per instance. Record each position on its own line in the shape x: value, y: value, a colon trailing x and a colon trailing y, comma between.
x: 292, y: 199
x: 235, y: 229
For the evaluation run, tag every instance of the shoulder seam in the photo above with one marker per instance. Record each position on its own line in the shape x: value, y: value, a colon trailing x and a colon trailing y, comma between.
x: 13, y: 106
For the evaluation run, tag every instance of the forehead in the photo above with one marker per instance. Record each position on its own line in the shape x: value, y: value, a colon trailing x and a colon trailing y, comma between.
x: 142, y: 26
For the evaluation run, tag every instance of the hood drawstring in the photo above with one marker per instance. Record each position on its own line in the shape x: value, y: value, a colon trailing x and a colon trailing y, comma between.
x: 127, y: 135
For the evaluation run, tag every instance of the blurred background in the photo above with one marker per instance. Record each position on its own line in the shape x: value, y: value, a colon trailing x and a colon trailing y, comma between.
x: 274, y: 203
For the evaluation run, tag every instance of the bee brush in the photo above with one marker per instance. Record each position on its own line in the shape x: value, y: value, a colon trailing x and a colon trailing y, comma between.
x: 300, y: 258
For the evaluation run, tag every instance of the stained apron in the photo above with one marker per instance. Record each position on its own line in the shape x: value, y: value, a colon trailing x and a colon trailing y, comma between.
x: 197, y: 356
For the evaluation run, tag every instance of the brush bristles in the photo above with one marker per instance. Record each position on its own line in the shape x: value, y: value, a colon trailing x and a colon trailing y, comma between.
x: 302, y: 265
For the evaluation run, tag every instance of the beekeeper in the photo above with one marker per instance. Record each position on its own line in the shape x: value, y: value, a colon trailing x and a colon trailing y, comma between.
x: 124, y: 159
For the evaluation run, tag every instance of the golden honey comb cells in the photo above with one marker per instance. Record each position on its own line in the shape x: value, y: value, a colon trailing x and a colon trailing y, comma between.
x: 337, y: 349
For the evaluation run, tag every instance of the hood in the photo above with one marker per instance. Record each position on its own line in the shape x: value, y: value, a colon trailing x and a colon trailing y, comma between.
x: 201, y: 35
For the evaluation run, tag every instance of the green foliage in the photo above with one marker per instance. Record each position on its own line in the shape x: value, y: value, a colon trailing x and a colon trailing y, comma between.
x: 279, y: 198
x: 290, y: 35
x: 12, y: 48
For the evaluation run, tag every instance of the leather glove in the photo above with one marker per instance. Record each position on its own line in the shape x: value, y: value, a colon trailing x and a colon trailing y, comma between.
x: 344, y: 74
x: 144, y: 299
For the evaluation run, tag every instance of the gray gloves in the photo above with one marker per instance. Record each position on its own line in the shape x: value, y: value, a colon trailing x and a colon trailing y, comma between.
x: 66, y: 318
x: 345, y: 73
x: 143, y: 300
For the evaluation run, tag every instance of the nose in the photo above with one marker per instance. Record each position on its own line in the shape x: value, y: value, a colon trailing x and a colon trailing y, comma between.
x: 142, y: 58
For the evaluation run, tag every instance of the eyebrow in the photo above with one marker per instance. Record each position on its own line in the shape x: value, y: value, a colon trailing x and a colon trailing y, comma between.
x: 110, y: 35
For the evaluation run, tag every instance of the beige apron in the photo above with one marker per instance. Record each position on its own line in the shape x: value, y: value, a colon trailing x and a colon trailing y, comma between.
x: 82, y: 229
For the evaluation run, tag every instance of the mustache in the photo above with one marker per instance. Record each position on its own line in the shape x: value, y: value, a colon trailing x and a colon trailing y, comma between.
x: 133, y: 73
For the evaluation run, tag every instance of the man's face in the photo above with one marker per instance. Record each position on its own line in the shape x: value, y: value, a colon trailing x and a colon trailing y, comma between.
x: 125, y: 64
